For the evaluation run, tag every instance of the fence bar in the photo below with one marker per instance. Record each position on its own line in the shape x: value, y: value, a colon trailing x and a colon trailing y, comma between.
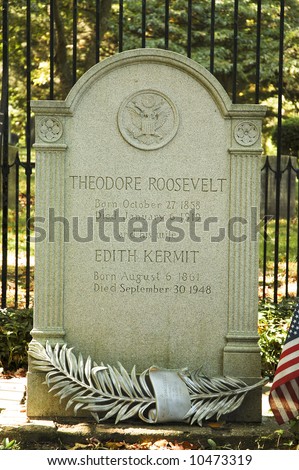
x: 143, y: 25
x: 297, y: 176
x: 189, y: 31
x: 235, y: 51
x: 265, y: 232
x: 212, y: 37
x: 166, y: 43
x: 121, y: 26
x: 289, y: 170
x: 278, y: 167
x: 258, y: 51
x: 4, y: 150
x: 52, y: 52
x: 97, y: 31
x: 28, y: 152
x: 28, y: 193
x: 75, y: 33
x: 17, y: 186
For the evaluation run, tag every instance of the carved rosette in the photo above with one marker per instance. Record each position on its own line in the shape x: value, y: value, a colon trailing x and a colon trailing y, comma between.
x: 50, y: 129
x: 246, y: 133
x: 148, y: 120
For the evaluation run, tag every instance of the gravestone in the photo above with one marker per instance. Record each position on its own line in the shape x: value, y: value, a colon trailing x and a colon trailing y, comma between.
x: 147, y: 197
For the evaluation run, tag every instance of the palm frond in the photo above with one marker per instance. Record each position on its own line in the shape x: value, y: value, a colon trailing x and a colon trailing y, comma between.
x: 97, y: 389
x: 214, y: 396
x: 107, y: 391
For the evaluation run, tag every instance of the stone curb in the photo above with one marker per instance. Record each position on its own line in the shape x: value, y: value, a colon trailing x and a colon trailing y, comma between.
x: 237, y: 436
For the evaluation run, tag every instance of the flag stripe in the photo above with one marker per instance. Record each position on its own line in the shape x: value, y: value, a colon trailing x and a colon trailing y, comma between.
x: 283, y: 406
x: 289, y: 400
x: 284, y: 399
x: 291, y: 386
x: 286, y: 365
x: 295, y: 384
x: 277, y: 408
x: 284, y: 393
x: 289, y: 349
x: 289, y: 356
x: 287, y: 374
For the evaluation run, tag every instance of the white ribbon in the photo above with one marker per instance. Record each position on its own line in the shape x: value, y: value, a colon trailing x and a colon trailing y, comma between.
x: 172, y: 396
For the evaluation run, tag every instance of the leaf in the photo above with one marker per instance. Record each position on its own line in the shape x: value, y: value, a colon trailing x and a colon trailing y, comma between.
x: 88, y: 370
x: 216, y: 425
x: 95, y: 416
x: 123, y: 383
x: 62, y: 358
x: 50, y: 374
x: 108, y: 382
x: 80, y: 365
x: 77, y: 407
x: 43, y: 368
x: 54, y: 378
x: 67, y: 391
x: 142, y: 409
x: 36, y: 354
x: 73, y: 399
x: 55, y: 356
x: 193, y: 409
x: 231, y: 405
x: 92, y: 399
x: 114, y: 380
x: 132, y: 412
x: 135, y: 381
x: 122, y: 412
x: 72, y: 363
x: 99, y: 379
x: 144, y: 384
x: 60, y: 385
x: 127, y: 380
x: 97, y: 408
x: 48, y: 349
x: 112, y: 412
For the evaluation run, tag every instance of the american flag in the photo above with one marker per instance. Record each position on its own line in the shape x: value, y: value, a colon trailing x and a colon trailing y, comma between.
x: 284, y: 393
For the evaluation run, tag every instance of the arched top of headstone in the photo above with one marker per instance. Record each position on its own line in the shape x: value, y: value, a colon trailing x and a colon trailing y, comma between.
x: 157, y: 57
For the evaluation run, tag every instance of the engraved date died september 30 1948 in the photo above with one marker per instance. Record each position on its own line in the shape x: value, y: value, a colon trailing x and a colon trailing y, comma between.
x: 151, y: 283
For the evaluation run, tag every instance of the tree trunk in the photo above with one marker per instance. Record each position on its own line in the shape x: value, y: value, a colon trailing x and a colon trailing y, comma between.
x: 63, y: 66
x: 105, y: 10
x: 62, y: 60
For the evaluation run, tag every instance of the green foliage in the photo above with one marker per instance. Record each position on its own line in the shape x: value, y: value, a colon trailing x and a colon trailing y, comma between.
x: 289, y: 136
x: 274, y: 322
x: 6, y: 444
x: 15, y: 327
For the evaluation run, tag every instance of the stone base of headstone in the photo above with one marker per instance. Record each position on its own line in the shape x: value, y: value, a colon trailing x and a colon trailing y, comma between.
x: 46, y: 405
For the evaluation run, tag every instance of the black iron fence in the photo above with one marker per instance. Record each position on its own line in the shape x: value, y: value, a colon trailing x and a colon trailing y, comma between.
x: 250, y: 46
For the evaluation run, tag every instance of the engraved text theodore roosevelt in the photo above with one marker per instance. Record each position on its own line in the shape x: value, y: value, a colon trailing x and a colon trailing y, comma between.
x: 137, y: 183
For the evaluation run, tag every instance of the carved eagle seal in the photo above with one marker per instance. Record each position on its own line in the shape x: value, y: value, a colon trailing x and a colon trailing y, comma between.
x: 148, y: 115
